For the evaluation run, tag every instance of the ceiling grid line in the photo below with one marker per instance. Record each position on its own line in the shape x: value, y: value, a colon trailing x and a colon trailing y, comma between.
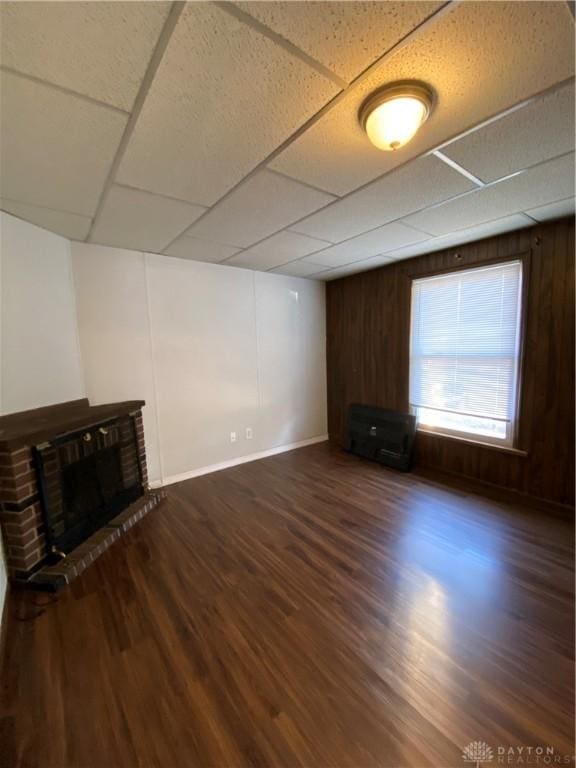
x: 409, y: 36
x: 522, y: 104
x: 468, y: 192
x: 247, y: 250
x: 155, y: 60
x: 433, y: 238
x: 385, y: 254
x: 456, y: 137
x: 398, y: 220
x: 494, y: 118
x: 63, y: 89
x: 150, y: 122
x: 258, y: 26
x: 133, y: 188
x: 390, y: 258
x: 459, y: 168
x: 298, y: 181
x: 531, y: 217
x: 44, y: 207
x: 329, y: 244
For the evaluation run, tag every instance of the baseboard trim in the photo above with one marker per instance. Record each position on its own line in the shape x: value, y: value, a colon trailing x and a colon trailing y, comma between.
x: 471, y: 484
x: 235, y: 462
x: 497, y: 493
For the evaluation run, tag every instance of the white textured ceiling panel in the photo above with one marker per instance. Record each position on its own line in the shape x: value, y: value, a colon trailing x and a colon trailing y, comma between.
x: 276, y: 250
x: 550, y: 181
x: 344, y: 36
x: 542, y: 130
x: 264, y: 204
x: 67, y: 224
x: 352, y: 269
x: 553, y: 210
x: 415, y: 249
x: 200, y: 250
x: 417, y: 185
x: 56, y: 149
x: 224, y: 97
x: 97, y: 49
x: 298, y: 269
x: 373, y: 243
x: 131, y: 218
x: 489, y: 229
x: 507, y: 224
x: 480, y: 57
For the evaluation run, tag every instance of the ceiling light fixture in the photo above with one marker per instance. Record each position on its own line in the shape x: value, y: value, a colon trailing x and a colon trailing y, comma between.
x: 392, y: 115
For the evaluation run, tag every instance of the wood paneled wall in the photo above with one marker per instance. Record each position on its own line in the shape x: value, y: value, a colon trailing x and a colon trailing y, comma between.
x: 368, y: 327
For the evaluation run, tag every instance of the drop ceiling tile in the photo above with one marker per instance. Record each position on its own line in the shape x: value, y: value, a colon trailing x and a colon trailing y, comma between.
x: 416, y: 249
x: 373, y: 243
x: 352, y: 269
x: 550, y: 181
x: 346, y: 37
x: 542, y: 130
x: 489, y: 229
x: 224, y: 97
x: 417, y: 185
x: 480, y: 57
x: 132, y: 218
x: 261, y: 206
x: 553, y: 210
x: 298, y: 269
x: 97, y: 49
x: 200, y: 250
x: 276, y: 250
x: 61, y: 222
x: 56, y: 149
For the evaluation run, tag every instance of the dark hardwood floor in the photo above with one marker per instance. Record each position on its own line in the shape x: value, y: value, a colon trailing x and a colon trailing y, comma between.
x: 310, y: 609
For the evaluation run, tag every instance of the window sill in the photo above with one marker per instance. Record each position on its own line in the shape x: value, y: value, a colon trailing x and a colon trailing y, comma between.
x: 470, y: 441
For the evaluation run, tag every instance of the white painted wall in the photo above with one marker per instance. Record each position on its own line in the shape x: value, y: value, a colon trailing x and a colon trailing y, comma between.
x: 203, y: 331
x: 39, y: 350
x: 291, y: 342
x: 112, y: 306
x: 212, y: 349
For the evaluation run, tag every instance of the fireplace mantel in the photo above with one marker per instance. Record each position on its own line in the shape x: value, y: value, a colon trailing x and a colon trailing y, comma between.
x: 36, y: 426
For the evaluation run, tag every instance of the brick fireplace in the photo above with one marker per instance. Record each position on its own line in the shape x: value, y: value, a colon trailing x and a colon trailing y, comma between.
x: 73, y: 478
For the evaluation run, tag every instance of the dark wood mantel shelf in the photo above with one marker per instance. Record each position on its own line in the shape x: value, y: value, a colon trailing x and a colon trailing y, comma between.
x: 35, y: 426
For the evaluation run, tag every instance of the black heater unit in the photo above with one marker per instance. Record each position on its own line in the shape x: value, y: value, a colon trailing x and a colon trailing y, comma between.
x: 382, y: 435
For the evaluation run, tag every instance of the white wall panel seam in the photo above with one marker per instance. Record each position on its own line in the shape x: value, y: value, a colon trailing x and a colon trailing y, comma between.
x: 145, y: 266
x: 258, y: 384
x: 72, y: 279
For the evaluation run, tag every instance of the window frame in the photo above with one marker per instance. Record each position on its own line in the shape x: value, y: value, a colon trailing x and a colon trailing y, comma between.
x: 470, y: 437
x: 514, y: 438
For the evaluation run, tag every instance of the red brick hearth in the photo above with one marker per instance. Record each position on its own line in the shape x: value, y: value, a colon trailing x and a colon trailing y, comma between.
x: 47, y: 461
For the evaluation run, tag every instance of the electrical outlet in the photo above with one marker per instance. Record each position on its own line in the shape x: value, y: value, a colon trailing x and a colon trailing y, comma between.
x: 233, y: 437
x: 249, y: 433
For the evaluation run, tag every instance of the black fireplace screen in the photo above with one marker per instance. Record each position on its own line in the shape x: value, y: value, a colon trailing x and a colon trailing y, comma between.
x: 86, y: 479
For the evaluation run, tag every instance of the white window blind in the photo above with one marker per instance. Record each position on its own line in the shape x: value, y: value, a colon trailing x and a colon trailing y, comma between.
x: 464, y: 350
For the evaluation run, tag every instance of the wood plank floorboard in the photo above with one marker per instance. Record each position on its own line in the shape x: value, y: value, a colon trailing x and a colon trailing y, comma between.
x: 310, y: 609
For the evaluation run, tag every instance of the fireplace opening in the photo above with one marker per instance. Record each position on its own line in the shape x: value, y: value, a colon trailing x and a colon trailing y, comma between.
x: 92, y: 494
x: 86, y: 479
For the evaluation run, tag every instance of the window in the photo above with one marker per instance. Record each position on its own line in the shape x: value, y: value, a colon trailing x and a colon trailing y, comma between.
x: 464, y: 352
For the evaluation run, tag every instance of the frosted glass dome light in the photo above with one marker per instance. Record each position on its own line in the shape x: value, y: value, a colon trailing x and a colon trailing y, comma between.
x: 392, y: 115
